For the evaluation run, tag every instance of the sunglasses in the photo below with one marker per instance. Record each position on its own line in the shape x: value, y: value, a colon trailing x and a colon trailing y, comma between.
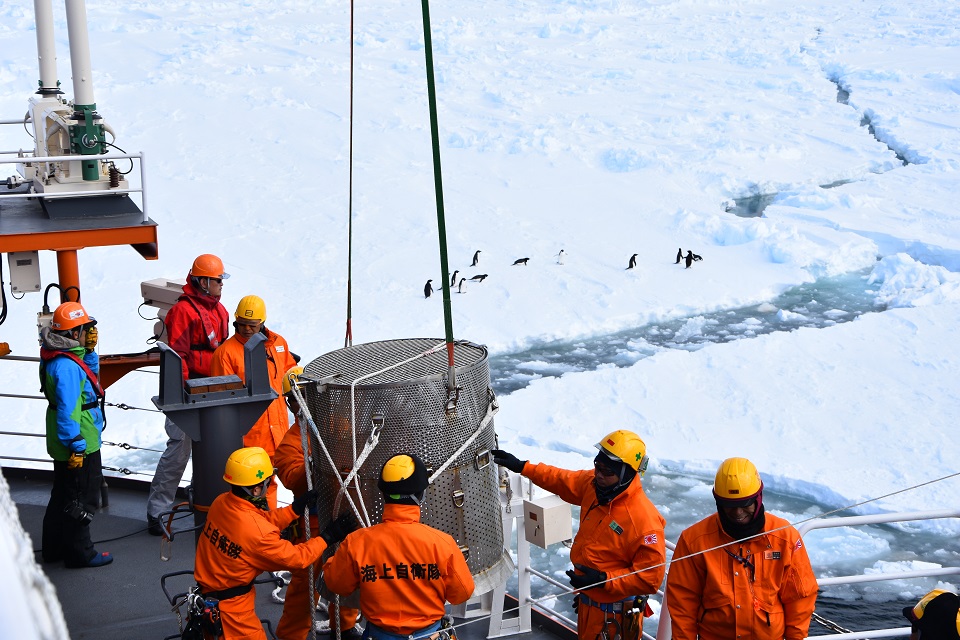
x: 604, y: 470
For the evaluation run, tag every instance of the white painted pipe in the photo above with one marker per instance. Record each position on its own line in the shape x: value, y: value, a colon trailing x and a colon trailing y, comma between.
x: 80, y: 52
x: 46, y: 45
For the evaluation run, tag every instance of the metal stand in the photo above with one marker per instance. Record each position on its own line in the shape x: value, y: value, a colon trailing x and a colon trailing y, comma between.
x: 216, y: 420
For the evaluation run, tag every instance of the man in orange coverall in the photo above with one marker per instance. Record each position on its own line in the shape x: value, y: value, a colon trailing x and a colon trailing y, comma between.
x: 241, y: 539
x: 405, y: 570
x: 619, y: 551
x: 269, y: 430
x: 741, y: 572
x: 292, y: 471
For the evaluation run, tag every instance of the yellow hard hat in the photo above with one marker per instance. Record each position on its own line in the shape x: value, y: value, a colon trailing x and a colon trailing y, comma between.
x: 403, y: 475
x: 627, y: 447
x: 70, y: 315
x: 208, y: 266
x: 247, y: 467
x: 251, y: 308
x: 290, y: 378
x: 737, y: 479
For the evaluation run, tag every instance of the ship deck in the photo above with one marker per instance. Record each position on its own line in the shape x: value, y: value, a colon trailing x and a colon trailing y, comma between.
x: 125, y: 599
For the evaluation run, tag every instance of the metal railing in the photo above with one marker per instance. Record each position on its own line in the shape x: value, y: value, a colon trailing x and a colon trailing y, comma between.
x: 664, y: 629
x: 32, y: 159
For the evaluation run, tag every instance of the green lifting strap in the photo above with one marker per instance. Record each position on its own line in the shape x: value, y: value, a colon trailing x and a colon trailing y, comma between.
x: 438, y: 186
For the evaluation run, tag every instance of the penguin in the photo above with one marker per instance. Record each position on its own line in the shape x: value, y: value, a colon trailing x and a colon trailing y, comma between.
x: 561, y: 256
x: 476, y: 258
x: 462, y: 288
x: 689, y: 259
x: 427, y: 289
x: 479, y: 277
x: 633, y: 262
x: 679, y: 256
x: 453, y: 278
x: 522, y: 261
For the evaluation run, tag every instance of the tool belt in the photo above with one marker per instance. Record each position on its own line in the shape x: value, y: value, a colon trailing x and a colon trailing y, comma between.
x: 226, y: 594
x: 608, y: 607
x: 435, y: 631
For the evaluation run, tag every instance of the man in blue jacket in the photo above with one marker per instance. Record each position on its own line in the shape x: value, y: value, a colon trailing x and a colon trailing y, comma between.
x: 69, y: 370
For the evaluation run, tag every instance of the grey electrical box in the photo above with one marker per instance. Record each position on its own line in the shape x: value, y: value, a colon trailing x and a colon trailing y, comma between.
x: 547, y: 520
x: 161, y: 293
x: 24, y: 271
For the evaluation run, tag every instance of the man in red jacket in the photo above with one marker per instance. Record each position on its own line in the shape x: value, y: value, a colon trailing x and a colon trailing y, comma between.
x: 405, y: 570
x: 196, y: 325
x: 741, y: 572
x: 250, y: 319
x: 619, y: 551
x: 241, y: 539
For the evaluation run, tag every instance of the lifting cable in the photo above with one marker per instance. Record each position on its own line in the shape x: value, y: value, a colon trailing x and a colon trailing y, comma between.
x: 348, y: 338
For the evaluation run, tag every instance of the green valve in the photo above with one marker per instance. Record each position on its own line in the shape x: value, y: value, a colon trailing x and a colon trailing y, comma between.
x: 87, y: 139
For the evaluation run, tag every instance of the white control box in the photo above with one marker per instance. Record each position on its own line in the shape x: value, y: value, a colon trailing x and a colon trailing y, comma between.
x: 24, y: 271
x: 162, y: 294
x: 547, y: 520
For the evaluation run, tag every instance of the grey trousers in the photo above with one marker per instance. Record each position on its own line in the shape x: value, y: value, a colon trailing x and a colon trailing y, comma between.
x: 170, y: 468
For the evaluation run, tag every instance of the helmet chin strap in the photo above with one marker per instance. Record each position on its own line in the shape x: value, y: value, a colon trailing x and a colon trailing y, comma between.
x: 259, y: 501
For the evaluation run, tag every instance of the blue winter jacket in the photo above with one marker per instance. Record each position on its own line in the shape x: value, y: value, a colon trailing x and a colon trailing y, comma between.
x: 68, y: 389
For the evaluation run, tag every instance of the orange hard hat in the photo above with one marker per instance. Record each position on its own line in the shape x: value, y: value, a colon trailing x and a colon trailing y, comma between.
x: 70, y: 315
x: 208, y: 266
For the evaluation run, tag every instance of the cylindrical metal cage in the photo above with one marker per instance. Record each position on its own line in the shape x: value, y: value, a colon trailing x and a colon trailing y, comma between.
x: 401, y: 396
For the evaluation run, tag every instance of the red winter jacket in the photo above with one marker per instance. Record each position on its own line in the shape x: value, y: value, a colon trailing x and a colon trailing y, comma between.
x: 196, y: 325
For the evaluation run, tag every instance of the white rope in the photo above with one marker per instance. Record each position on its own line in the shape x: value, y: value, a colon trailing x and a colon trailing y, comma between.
x: 304, y: 413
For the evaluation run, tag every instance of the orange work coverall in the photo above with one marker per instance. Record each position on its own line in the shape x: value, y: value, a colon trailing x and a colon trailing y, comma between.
x: 273, y: 424
x: 237, y: 544
x: 711, y: 594
x: 405, y: 571
x: 620, y: 538
x: 295, y: 621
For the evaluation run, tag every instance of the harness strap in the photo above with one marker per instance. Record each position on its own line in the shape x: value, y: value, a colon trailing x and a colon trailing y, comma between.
x: 212, y: 344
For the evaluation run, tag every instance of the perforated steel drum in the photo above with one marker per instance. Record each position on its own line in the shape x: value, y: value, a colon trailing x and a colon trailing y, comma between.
x: 408, y: 395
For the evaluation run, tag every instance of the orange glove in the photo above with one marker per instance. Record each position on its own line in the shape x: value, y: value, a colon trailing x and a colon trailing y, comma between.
x: 4, y: 349
x: 75, y: 461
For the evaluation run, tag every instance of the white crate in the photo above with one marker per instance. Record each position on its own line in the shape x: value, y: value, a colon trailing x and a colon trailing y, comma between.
x: 547, y: 520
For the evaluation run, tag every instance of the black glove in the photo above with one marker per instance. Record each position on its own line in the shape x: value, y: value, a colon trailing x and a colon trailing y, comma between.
x: 300, y: 502
x: 586, y: 578
x: 339, y: 529
x: 508, y: 460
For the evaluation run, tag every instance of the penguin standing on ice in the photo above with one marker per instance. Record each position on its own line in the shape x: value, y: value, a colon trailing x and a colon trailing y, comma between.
x: 463, y: 286
x: 561, y: 256
x: 679, y: 256
x: 633, y: 262
x: 689, y: 259
x: 476, y: 258
x: 453, y: 278
x: 427, y: 289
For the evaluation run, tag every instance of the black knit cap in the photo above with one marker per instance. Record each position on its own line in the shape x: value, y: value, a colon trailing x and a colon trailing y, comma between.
x: 939, y: 619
